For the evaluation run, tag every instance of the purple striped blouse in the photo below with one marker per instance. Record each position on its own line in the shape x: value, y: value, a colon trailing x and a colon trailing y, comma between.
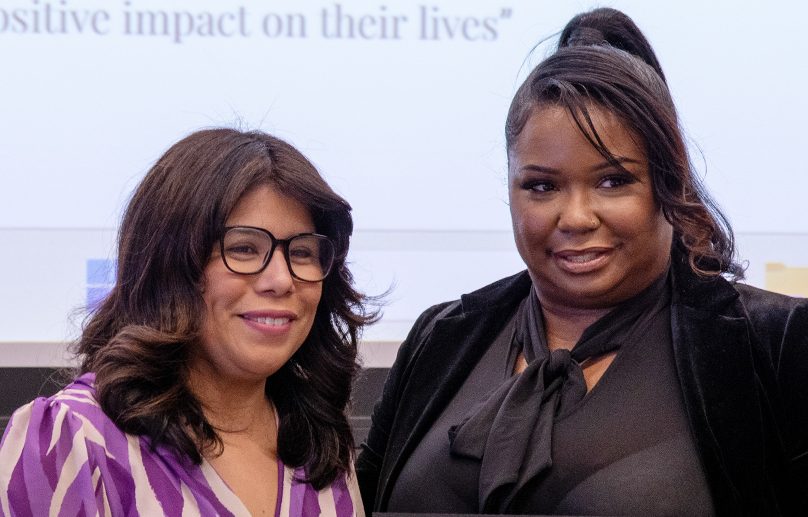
x: 63, y: 456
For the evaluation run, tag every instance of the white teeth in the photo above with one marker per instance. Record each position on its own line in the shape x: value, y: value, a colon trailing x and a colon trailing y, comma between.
x: 275, y: 322
x: 585, y: 257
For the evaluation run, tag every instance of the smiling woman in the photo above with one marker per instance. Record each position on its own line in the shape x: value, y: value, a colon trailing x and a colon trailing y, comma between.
x: 589, y: 229
x: 215, y: 376
x: 627, y: 371
x: 256, y: 321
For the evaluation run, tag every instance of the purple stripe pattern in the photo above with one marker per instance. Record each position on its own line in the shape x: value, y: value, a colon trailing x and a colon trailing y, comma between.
x: 62, y: 456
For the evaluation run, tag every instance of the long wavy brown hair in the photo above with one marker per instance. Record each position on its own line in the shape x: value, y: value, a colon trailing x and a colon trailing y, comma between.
x: 138, y: 340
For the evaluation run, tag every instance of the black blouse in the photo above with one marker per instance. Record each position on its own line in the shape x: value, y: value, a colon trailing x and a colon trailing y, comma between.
x: 623, y: 448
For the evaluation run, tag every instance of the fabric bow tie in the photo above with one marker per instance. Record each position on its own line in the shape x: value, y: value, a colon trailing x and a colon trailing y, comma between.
x: 510, y: 432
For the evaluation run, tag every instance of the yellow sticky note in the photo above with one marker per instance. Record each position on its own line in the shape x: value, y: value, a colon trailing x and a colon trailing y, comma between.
x: 787, y: 280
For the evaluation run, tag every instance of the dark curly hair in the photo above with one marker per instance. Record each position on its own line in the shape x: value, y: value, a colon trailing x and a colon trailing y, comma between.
x: 587, y: 70
x: 138, y: 340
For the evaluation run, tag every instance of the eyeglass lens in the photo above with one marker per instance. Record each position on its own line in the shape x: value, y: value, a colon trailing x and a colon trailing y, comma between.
x: 246, y: 251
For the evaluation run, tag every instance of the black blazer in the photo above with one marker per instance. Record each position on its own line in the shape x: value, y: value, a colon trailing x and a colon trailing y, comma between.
x: 741, y: 355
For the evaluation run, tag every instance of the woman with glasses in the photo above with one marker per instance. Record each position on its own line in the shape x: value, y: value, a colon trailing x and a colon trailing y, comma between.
x: 215, y: 376
x: 626, y: 371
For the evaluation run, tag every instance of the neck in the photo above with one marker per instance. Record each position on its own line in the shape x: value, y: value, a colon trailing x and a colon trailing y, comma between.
x: 231, y: 406
x: 565, y: 325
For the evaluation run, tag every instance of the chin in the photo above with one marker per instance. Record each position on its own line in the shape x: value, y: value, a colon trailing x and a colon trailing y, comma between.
x: 583, y: 296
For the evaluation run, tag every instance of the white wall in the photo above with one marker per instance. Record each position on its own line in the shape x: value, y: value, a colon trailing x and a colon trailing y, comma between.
x: 407, y: 126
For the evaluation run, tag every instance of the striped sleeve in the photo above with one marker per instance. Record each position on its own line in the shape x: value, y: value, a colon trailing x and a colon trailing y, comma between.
x: 47, y: 462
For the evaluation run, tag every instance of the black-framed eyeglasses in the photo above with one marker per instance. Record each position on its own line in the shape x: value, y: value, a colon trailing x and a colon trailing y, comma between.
x: 247, y: 250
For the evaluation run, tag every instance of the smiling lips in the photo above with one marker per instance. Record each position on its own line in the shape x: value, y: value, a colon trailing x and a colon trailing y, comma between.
x: 272, y: 322
x: 582, y: 261
x: 269, y: 321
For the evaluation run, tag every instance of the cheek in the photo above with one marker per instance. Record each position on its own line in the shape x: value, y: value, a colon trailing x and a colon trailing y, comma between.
x: 220, y: 294
x: 657, y: 224
x: 530, y: 237
x: 530, y: 225
x: 637, y: 218
x: 309, y: 302
x: 664, y: 233
x: 652, y: 242
x: 312, y: 297
x: 518, y: 227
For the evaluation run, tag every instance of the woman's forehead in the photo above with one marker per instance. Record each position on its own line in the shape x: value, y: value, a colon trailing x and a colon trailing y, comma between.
x: 596, y: 126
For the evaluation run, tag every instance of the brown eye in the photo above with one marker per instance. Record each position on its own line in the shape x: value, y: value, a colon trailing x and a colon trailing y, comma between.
x: 241, y: 250
x: 617, y: 180
x: 539, y: 186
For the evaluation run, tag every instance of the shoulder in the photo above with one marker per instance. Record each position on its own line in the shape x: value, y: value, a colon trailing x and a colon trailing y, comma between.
x: 70, y: 419
x: 61, y: 416
x: 63, y: 454
x: 77, y: 398
x: 485, y: 308
x: 718, y: 296
x: 776, y: 324
x: 53, y: 447
x: 503, y: 293
x: 779, y: 324
x: 769, y: 306
x: 500, y: 296
x: 490, y: 298
x: 778, y: 320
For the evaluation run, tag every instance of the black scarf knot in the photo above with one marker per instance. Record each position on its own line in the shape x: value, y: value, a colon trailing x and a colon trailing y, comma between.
x: 510, y: 432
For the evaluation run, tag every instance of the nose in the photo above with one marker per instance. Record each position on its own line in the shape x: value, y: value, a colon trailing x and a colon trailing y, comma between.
x: 276, y: 277
x: 577, y: 213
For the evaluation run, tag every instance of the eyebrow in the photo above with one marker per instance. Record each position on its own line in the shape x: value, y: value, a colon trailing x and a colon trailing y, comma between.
x: 622, y: 160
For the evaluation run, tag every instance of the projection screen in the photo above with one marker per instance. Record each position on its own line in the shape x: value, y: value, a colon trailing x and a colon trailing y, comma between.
x: 399, y: 104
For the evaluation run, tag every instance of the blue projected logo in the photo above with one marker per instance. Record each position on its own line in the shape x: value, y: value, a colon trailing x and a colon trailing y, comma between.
x: 100, y: 280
